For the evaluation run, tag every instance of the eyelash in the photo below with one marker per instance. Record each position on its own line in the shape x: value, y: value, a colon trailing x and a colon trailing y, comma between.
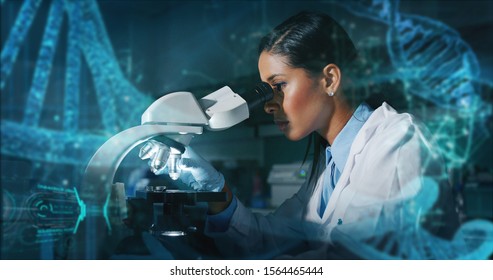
x: 279, y: 86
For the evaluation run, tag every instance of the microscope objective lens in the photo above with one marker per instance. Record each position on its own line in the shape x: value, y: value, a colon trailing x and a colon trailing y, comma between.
x: 173, y: 168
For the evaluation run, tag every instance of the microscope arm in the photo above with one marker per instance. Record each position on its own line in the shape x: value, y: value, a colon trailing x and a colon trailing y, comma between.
x: 97, y: 182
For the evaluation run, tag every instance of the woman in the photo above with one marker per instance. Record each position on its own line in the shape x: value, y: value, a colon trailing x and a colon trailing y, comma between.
x: 369, y: 165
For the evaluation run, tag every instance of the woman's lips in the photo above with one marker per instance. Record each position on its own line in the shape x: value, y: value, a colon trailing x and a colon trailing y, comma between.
x: 281, y: 124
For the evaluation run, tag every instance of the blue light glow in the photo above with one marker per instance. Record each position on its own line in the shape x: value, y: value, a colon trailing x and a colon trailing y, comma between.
x: 120, y: 103
x: 429, y: 58
x: 82, y: 211
x: 437, y: 65
x: 16, y: 37
x: 105, y: 212
x: 44, y: 64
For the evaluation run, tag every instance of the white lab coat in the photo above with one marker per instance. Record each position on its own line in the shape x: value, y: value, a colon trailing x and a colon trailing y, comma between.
x: 385, y: 168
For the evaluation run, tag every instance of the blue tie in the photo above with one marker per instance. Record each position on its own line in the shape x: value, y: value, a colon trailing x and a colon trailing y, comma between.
x: 328, y: 185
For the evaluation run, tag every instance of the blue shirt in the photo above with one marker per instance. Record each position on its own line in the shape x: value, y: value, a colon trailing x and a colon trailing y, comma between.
x: 336, y: 157
x: 219, y: 222
x: 337, y: 154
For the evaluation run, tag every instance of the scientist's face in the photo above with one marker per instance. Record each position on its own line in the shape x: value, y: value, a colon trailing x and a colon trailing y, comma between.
x: 299, y: 105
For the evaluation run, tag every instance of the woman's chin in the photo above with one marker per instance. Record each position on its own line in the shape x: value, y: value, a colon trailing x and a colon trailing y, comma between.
x: 293, y: 136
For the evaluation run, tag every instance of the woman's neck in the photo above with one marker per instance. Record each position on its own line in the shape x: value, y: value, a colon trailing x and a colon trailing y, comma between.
x: 340, y: 117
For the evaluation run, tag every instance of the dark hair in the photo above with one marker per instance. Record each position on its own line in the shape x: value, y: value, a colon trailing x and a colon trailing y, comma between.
x: 311, y: 40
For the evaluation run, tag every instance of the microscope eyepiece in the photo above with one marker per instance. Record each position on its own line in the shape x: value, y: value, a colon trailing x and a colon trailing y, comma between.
x: 260, y: 94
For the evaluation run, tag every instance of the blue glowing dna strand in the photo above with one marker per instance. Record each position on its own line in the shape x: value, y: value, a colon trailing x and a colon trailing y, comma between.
x: 416, y: 45
x: 120, y: 103
x: 472, y: 241
x: 435, y: 64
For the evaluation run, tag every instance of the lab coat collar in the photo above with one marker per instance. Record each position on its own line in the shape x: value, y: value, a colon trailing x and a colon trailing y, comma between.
x: 369, y: 128
x: 344, y: 140
x: 366, y: 132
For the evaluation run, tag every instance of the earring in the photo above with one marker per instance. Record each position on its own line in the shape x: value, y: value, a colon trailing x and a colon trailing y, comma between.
x: 331, y: 93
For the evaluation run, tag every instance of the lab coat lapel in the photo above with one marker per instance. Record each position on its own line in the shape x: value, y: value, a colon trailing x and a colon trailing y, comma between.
x: 337, y: 205
x: 314, y: 202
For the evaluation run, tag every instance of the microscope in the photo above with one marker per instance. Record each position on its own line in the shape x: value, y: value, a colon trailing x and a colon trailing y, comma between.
x: 172, y: 120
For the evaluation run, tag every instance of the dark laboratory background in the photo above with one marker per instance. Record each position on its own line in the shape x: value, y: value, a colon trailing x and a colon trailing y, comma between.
x: 74, y: 73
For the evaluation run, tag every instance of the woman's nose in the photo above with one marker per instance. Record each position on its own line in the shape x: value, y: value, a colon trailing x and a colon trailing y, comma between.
x: 271, y: 106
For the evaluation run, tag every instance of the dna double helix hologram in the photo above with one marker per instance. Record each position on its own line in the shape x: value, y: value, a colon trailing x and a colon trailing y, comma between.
x: 435, y: 64
x: 120, y: 103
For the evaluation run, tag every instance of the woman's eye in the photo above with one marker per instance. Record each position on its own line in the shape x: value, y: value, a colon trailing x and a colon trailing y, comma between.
x: 279, y: 86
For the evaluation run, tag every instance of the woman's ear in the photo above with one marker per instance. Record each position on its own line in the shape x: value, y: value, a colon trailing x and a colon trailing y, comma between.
x: 331, y: 78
